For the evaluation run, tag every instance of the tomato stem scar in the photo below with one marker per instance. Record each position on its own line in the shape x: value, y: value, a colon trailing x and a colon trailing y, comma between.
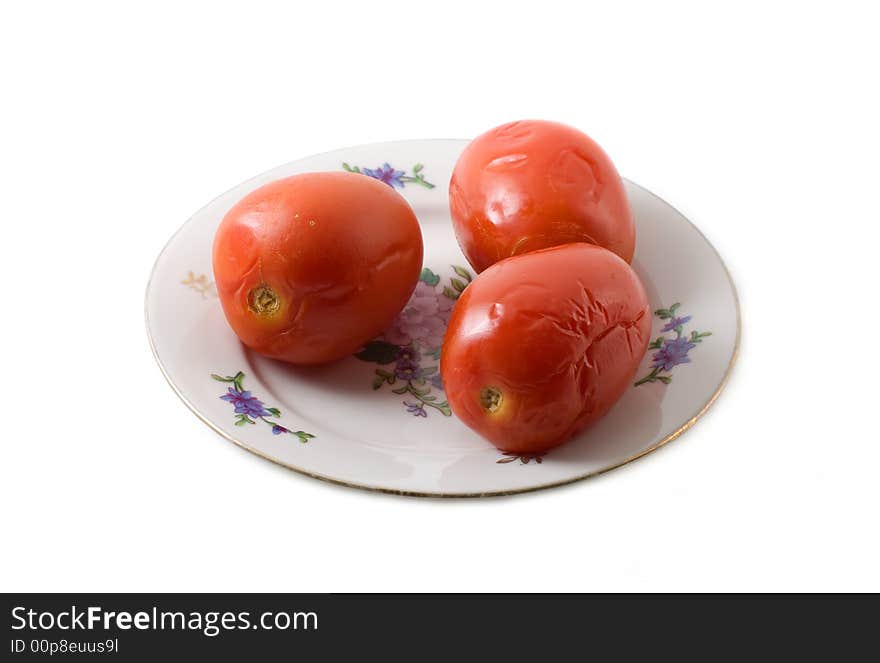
x: 263, y: 301
x: 490, y: 398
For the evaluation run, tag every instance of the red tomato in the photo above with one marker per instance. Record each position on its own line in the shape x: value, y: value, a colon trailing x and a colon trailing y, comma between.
x: 534, y: 184
x: 543, y: 344
x: 311, y: 267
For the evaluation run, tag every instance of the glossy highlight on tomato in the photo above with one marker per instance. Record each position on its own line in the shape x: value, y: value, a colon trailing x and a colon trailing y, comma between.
x: 311, y: 267
x: 534, y: 184
x: 543, y: 344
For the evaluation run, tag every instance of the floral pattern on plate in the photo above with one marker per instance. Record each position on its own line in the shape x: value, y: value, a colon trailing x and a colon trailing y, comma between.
x: 200, y: 284
x: 524, y: 459
x: 671, y: 352
x: 249, y: 409
x: 408, y: 352
x: 391, y: 176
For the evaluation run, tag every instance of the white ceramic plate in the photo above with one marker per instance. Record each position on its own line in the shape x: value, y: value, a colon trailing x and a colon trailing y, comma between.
x: 380, y: 421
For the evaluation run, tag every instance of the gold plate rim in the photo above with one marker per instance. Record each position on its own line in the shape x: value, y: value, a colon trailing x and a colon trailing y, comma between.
x: 499, y: 493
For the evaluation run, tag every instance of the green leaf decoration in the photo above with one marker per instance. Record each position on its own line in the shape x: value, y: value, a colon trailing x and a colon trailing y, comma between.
x: 664, y: 379
x: 236, y: 380
x: 428, y: 370
x: 463, y: 273
x: 449, y: 292
x: 378, y: 352
x: 221, y: 379
x: 303, y: 436
x: 429, y: 277
x: 656, y: 344
x: 418, y: 168
x: 434, y: 353
x: 674, y: 307
x: 242, y: 419
x: 458, y: 284
x: 401, y: 390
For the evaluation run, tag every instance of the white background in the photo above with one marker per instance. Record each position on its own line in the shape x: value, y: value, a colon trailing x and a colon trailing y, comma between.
x: 759, y: 122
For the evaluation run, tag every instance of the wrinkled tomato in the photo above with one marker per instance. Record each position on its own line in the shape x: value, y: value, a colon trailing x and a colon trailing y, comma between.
x: 534, y: 184
x: 543, y: 344
x: 310, y: 267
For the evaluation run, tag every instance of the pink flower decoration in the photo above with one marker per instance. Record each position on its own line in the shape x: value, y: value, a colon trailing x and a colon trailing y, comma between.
x: 423, y: 320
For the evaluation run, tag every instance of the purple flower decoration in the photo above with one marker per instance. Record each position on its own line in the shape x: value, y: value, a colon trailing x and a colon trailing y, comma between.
x: 386, y: 174
x: 249, y: 409
x: 392, y: 177
x: 406, y: 371
x: 245, y: 403
x: 676, y: 322
x: 415, y: 409
x: 407, y: 365
x: 408, y: 355
x: 673, y: 353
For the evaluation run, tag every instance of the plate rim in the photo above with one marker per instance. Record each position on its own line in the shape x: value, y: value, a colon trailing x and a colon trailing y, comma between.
x: 687, y: 425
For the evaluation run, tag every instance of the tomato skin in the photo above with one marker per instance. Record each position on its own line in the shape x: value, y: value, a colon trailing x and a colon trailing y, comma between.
x: 534, y: 184
x: 310, y: 267
x: 559, y: 333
